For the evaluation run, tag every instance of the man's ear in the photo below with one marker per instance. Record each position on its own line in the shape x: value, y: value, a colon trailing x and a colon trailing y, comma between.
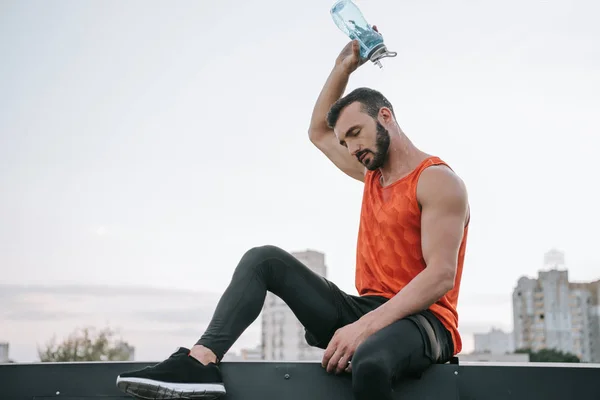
x: 385, y: 115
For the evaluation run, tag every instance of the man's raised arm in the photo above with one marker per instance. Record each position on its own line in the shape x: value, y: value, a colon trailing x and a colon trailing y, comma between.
x: 320, y: 134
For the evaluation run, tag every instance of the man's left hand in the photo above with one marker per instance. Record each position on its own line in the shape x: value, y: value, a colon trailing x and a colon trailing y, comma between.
x: 342, y: 346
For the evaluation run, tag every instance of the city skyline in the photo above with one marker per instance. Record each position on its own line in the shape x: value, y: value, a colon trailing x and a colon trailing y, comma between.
x: 550, y: 311
x: 178, y: 321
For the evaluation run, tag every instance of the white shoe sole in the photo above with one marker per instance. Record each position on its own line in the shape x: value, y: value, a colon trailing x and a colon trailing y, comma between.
x: 151, y: 389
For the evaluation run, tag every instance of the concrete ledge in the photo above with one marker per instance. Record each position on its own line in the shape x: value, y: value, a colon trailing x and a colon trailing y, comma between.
x: 521, y: 381
x: 301, y: 381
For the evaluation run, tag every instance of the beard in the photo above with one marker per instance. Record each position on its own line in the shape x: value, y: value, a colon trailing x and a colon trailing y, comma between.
x: 382, y: 145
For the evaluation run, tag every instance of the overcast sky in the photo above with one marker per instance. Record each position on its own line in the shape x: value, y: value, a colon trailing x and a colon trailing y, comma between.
x: 152, y: 143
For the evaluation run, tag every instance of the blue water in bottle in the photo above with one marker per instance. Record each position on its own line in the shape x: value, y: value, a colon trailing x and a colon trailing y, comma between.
x: 350, y: 20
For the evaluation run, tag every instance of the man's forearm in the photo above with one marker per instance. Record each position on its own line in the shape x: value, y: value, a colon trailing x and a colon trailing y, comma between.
x: 423, y: 291
x: 332, y: 91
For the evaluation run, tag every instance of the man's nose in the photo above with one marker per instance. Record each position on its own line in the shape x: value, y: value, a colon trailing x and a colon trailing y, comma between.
x: 353, y: 149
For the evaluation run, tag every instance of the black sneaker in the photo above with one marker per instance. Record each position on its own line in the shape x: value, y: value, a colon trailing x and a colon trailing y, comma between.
x: 180, y: 376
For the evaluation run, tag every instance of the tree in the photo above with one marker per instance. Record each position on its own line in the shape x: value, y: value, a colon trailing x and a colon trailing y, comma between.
x: 87, y: 344
x: 549, y: 355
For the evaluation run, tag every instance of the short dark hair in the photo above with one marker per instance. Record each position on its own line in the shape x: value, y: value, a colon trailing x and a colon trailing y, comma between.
x: 370, y: 99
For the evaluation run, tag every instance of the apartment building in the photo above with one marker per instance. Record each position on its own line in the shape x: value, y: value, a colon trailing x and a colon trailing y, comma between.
x: 282, y: 333
x: 551, y: 312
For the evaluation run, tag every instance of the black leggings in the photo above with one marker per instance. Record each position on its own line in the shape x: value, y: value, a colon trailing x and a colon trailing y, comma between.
x: 405, y: 348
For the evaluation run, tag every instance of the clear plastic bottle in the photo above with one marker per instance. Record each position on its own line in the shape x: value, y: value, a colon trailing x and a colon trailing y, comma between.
x: 350, y: 20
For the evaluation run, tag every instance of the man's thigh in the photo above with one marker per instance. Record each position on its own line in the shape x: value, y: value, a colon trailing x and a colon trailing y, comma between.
x: 348, y: 310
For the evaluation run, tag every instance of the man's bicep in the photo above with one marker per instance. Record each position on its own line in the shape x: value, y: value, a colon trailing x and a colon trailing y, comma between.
x: 444, y: 202
x: 442, y: 233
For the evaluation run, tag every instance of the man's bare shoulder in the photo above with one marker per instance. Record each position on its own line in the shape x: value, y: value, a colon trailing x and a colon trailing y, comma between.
x: 441, y: 174
x: 440, y: 186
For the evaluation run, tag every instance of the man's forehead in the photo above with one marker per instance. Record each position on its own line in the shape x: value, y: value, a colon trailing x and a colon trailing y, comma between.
x: 350, y: 116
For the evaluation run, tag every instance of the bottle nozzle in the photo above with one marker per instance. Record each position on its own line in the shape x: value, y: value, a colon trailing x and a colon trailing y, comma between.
x: 381, y: 53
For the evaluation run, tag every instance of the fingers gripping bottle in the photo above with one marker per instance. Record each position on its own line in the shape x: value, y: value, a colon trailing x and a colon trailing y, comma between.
x: 350, y: 20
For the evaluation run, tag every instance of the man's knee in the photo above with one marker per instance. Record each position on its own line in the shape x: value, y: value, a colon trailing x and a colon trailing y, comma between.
x: 369, y: 369
x: 260, y: 253
x: 256, y: 259
x: 375, y: 366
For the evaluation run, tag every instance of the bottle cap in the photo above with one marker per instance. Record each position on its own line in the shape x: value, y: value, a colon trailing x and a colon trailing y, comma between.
x: 380, y: 52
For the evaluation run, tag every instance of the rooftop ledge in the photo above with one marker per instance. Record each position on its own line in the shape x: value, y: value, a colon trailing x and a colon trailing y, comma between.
x: 262, y: 380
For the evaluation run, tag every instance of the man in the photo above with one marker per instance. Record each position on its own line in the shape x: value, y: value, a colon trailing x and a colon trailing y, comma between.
x: 411, y: 246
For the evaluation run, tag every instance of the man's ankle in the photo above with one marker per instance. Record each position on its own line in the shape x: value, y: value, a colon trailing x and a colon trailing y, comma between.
x: 203, y: 354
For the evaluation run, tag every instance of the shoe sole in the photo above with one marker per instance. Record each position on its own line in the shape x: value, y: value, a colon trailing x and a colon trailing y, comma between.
x: 156, y: 390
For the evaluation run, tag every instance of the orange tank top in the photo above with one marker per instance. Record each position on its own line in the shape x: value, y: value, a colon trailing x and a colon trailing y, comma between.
x: 389, y: 252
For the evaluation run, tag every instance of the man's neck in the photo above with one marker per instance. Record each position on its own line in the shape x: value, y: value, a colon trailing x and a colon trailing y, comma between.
x: 403, y: 158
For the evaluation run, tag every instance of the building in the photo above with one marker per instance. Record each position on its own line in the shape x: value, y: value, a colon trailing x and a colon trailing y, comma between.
x: 585, y: 303
x: 552, y: 313
x: 4, y: 352
x: 282, y: 333
x: 494, y: 342
x: 254, y: 354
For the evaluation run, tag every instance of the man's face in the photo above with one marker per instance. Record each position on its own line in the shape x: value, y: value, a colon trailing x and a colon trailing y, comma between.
x: 365, y: 138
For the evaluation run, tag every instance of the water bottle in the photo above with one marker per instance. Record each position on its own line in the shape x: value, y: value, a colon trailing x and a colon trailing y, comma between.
x: 349, y: 19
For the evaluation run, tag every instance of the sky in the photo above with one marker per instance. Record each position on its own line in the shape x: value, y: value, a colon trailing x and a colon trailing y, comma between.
x: 150, y: 144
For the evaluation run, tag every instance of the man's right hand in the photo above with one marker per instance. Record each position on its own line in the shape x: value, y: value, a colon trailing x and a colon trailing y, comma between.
x: 349, y: 58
